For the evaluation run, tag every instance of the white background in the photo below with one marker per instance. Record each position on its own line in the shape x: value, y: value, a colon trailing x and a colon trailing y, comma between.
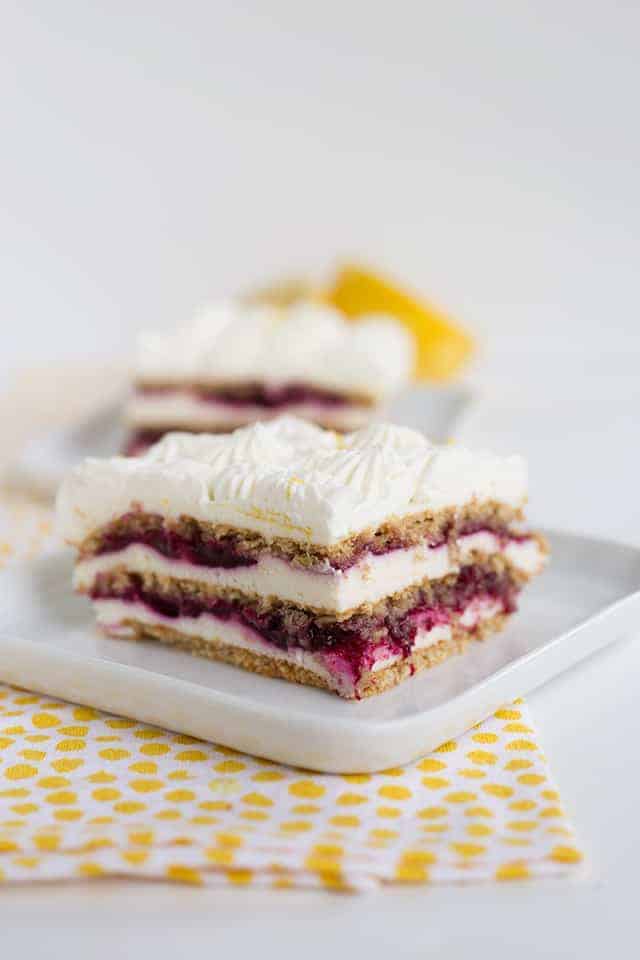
x: 155, y: 154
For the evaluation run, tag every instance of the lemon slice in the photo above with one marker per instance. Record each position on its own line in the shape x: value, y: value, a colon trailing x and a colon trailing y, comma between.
x: 442, y: 347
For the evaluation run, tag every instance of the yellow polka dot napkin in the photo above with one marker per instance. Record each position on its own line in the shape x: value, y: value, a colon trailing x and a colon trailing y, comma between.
x: 84, y: 794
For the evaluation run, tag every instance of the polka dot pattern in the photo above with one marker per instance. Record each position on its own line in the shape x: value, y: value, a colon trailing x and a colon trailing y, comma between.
x: 200, y: 814
x: 85, y: 795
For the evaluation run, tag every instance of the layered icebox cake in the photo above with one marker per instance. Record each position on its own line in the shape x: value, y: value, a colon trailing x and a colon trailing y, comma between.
x: 344, y: 562
x: 237, y: 364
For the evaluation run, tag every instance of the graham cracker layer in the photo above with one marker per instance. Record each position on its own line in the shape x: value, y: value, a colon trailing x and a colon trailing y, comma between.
x: 370, y: 683
x: 429, y: 527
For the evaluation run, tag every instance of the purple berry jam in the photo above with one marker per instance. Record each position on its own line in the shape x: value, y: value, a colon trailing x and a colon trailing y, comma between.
x: 205, y: 550
x: 198, y: 549
x: 352, y: 642
x: 254, y: 394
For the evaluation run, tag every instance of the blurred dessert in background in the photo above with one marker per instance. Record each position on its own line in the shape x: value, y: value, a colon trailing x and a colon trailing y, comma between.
x: 333, y: 354
x: 238, y: 363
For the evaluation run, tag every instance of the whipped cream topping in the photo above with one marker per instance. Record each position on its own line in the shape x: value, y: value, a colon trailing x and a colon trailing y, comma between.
x: 288, y: 478
x: 232, y: 343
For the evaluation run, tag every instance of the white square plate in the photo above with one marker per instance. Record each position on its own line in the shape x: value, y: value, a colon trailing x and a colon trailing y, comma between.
x: 587, y: 598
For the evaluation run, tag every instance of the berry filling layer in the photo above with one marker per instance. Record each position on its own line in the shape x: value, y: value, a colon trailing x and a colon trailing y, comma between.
x: 351, y: 646
x: 272, y: 397
x: 369, y: 573
x: 189, y: 542
x: 329, y: 590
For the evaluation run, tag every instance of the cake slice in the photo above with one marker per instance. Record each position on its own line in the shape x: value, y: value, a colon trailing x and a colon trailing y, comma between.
x: 238, y: 363
x: 346, y: 563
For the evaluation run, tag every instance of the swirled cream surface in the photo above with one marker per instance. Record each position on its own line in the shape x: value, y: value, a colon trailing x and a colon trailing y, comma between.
x: 288, y: 478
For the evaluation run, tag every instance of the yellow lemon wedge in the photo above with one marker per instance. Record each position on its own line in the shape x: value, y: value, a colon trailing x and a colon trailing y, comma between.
x: 442, y: 347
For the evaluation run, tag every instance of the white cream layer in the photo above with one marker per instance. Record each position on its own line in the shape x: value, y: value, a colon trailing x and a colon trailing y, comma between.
x: 110, y: 614
x: 525, y: 555
x: 288, y: 478
x: 368, y: 581
x: 182, y: 410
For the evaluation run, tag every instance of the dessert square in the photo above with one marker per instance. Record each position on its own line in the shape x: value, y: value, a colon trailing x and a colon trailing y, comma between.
x: 237, y: 364
x: 343, y: 562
